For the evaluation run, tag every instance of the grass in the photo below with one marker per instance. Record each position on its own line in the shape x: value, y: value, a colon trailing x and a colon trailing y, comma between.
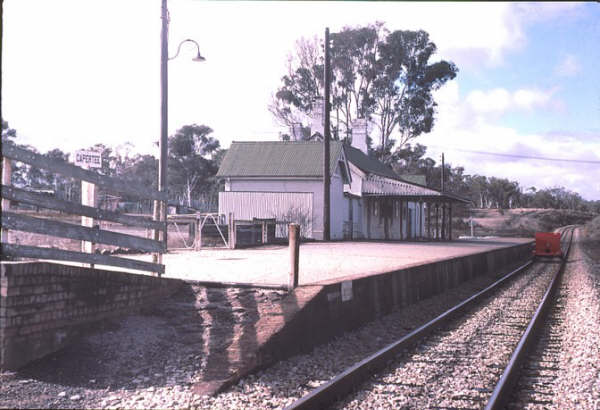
x: 591, y: 230
x: 520, y: 222
x: 591, y: 238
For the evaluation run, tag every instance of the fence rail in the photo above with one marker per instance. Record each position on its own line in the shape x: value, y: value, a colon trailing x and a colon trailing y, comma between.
x: 26, y: 223
x: 69, y: 170
x: 87, y: 234
x: 25, y: 251
x: 33, y: 198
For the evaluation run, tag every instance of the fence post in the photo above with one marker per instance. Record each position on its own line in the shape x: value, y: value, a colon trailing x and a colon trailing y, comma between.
x: 294, y: 245
x: 198, y: 233
x: 6, y: 178
x: 89, y: 195
x: 231, y: 231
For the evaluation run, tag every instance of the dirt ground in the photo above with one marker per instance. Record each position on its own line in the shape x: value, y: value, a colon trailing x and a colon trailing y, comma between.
x: 166, y: 348
x: 591, y: 241
x: 518, y: 222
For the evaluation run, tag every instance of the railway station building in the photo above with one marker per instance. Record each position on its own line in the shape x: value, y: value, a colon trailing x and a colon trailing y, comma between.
x: 283, y: 180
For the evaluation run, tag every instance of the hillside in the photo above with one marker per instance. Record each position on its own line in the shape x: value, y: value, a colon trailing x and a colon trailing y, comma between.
x: 591, y: 239
x: 592, y: 229
x: 519, y: 222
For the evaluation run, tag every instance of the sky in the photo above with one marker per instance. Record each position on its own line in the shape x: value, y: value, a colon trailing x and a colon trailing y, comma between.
x: 79, y: 72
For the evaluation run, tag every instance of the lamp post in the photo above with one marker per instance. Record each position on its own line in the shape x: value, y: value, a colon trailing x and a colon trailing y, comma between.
x: 160, y: 211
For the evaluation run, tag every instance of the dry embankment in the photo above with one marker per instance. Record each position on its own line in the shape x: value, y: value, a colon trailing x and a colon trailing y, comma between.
x: 518, y: 222
x: 591, y: 238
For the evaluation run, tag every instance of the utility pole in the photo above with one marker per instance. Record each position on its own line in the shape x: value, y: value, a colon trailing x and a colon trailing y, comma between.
x: 443, y: 171
x: 160, y: 211
x: 326, y: 138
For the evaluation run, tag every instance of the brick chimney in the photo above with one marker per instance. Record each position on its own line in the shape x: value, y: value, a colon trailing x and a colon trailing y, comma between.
x: 359, y: 134
x: 318, y: 112
x: 297, y: 132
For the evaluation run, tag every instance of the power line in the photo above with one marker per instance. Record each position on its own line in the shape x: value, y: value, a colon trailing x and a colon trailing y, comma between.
x: 497, y: 154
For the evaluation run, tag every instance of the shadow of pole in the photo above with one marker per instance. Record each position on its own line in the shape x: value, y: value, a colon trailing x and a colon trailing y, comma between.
x: 217, y: 366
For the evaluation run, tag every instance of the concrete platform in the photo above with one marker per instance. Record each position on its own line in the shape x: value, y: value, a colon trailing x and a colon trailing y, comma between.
x: 347, y: 284
x: 343, y: 286
x: 320, y: 263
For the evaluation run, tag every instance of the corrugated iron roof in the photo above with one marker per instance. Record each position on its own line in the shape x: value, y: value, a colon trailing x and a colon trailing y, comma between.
x: 375, y: 184
x: 415, y: 179
x: 368, y: 164
x: 278, y: 159
x: 305, y: 159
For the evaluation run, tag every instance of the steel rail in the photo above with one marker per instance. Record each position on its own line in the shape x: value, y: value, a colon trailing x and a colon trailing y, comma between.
x: 510, y: 375
x: 345, y: 382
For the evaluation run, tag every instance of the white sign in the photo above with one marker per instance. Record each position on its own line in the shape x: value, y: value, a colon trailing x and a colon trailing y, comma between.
x: 88, y: 159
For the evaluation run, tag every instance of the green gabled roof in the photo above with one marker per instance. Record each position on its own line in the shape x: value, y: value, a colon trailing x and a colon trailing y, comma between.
x: 368, y: 164
x: 278, y: 159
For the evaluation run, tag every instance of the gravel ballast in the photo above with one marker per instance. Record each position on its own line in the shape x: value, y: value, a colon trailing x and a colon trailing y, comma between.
x: 563, y: 369
x: 288, y: 380
x: 459, y: 364
x: 578, y: 384
x: 153, y: 360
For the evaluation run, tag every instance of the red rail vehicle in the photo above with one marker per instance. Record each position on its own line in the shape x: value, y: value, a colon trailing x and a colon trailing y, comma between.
x: 547, y: 244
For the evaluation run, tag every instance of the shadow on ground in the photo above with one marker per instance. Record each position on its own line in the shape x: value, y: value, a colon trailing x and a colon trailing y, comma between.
x: 198, y: 336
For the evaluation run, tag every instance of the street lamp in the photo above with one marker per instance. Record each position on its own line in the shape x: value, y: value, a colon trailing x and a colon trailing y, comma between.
x: 160, y: 211
x: 198, y: 57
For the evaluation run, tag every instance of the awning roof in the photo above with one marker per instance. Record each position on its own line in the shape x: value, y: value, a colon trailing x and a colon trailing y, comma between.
x: 377, y: 186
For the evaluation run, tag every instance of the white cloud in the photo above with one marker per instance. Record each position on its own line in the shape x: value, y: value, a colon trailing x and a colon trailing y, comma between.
x: 528, y: 99
x: 494, y: 101
x: 458, y: 131
x: 568, y: 67
x: 499, y: 100
x: 536, y: 11
x: 75, y: 73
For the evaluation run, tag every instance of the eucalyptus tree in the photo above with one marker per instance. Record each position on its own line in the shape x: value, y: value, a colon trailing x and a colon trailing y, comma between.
x: 384, y: 76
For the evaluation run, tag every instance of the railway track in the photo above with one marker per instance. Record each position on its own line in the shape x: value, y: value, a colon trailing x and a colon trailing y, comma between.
x: 535, y: 385
x: 532, y: 383
x: 462, y: 359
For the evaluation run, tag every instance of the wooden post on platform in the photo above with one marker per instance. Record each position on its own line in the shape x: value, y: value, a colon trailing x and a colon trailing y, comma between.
x: 443, y: 221
x: 428, y: 220
x: 450, y: 221
x: 421, y: 220
x: 6, y: 178
x: 401, y: 216
x: 294, y: 245
x: 437, y: 221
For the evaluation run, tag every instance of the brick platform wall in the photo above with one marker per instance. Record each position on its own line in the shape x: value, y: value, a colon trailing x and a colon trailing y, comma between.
x: 315, y: 314
x: 44, y: 306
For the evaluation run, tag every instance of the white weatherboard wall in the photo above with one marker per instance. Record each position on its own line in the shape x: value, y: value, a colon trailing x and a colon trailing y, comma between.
x: 339, y: 207
x: 279, y: 205
x: 314, y: 186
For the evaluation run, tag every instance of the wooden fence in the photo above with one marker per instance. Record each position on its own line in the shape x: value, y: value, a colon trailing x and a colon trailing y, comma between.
x: 14, y: 221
